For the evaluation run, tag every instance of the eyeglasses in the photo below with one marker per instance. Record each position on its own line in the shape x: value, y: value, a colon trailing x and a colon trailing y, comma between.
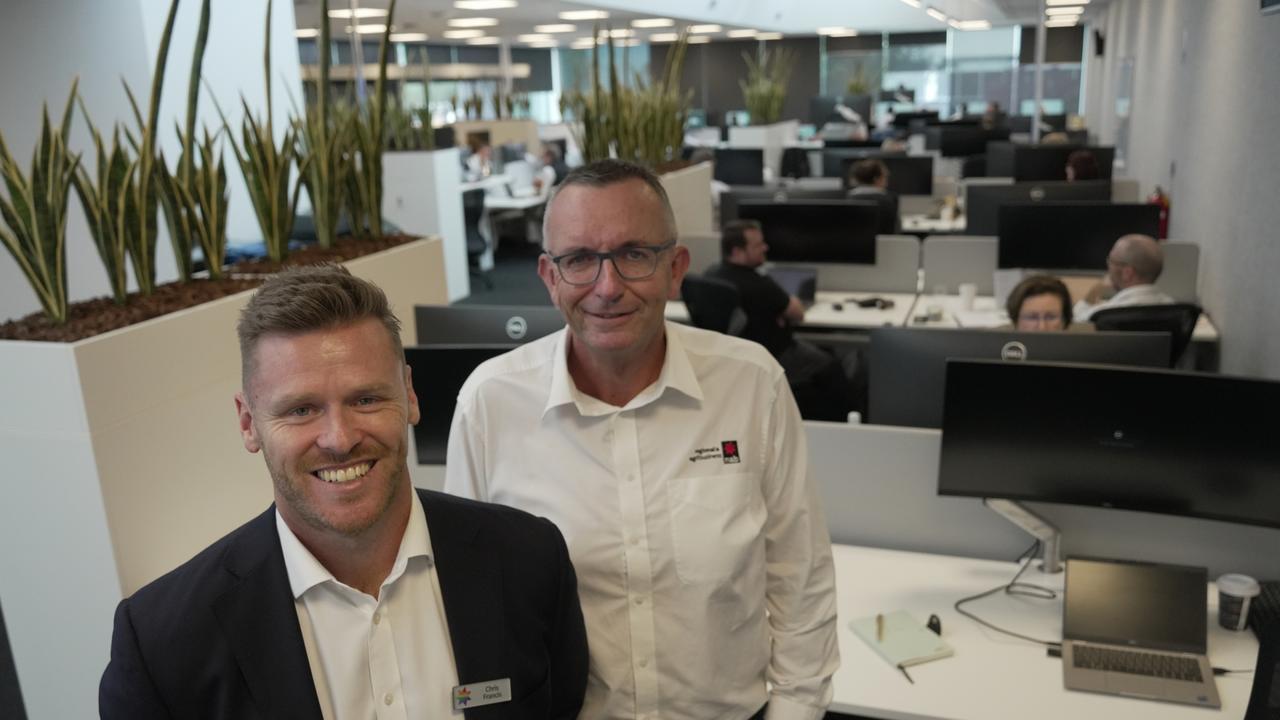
x: 636, y: 262
x: 1046, y: 318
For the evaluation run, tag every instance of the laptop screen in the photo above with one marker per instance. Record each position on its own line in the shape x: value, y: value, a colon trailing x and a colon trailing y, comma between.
x: 800, y: 282
x: 1146, y: 605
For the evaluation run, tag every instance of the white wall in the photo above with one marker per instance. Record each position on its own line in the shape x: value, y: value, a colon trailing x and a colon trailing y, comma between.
x: 43, y: 45
x: 1206, y: 95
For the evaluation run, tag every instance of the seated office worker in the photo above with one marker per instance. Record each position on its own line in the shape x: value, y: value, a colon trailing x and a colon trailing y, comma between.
x: 1039, y: 303
x: 353, y: 596
x: 675, y: 463
x: 869, y: 180
x: 816, y: 377
x: 1133, y: 266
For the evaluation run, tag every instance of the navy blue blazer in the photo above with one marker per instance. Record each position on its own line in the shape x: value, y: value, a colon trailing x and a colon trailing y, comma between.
x: 219, y: 638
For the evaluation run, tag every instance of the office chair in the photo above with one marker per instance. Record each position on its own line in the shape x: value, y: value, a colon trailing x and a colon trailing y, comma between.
x: 1264, y: 699
x: 472, y: 211
x: 713, y: 304
x: 795, y: 163
x: 974, y: 166
x: 1177, y: 319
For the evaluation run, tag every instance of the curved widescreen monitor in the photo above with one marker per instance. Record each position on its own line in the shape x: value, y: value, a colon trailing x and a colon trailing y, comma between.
x: 907, y: 366
x: 1068, y: 236
x: 833, y: 231
x: 1162, y: 441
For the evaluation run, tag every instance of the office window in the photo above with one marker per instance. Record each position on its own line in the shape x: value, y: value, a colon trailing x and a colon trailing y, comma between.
x: 918, y: 61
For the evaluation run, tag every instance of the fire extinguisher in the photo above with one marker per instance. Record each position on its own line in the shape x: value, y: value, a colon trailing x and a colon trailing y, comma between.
x: 1161, y: 200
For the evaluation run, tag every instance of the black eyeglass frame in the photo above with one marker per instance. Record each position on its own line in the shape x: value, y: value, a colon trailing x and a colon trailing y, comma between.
x: 611, y: 257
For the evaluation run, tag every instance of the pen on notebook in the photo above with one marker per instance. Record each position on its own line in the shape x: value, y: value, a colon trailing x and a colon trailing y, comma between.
x: 904, y: 673
x: 879, y: 627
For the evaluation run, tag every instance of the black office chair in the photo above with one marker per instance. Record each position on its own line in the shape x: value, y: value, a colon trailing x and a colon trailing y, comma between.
x: 1264, y: 699
x: 795, y: 163
x: 1177, y: 319
x: 713, y: 304
x: 472, y: 211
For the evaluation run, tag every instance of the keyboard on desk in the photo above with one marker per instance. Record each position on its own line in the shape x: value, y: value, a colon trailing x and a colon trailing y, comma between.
x: 1137, y: 662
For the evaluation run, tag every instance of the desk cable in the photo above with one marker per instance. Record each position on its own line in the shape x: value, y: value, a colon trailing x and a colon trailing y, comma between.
x: 1013, y: 587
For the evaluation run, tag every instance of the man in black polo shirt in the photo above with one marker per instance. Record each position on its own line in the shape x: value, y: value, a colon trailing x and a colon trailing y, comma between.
x: 815, y: 376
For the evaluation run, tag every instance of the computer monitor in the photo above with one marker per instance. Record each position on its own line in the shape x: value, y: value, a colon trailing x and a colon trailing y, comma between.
x: 730, y: 201
x: 1180, y: 443
x: 438, y: 373
x: 1067, y: 236
x: 839, y: 144
x: 904, y: 120
x: 982, y: 202
x: 1028, y: 163
x: 962, y: 140
x: 825, y: 231
x: 444, y: 137
x: 472, y: 324
x: 1049, y: 123
x: 908, y: 174
x: 907, y: 366
x: 834, y: 159
x: 740, y: 166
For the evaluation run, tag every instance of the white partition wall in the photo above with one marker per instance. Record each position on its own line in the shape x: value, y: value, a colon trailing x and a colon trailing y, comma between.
x: 897, y: 268
x: 423, y: 196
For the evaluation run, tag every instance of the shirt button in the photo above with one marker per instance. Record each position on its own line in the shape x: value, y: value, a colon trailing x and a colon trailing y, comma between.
x: 635, y: 541
x: 388, y: 698
x: 377, y: 617
x: 644, y: 662
x: 640, y: 600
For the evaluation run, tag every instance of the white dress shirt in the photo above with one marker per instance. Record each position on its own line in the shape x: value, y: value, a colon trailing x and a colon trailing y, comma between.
x: 387, y: 658
x: 1132, y: 295
x: 703, y: 559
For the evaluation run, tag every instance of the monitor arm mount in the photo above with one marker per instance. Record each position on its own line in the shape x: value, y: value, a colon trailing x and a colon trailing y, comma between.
x: 1049, y: 536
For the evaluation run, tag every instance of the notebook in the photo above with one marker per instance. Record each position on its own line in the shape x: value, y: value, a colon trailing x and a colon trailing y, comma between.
x: 1137, y: 629
x: 905, y: 641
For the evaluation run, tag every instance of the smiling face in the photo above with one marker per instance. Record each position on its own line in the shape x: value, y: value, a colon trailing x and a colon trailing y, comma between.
x: 612, y: 319
x: 329, y: 409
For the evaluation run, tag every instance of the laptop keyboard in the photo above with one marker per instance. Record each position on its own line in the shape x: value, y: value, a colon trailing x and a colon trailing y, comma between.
x: 1136, y: 662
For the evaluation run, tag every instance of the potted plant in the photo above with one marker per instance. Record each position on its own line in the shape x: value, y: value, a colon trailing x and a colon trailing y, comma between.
x: 764, y: 91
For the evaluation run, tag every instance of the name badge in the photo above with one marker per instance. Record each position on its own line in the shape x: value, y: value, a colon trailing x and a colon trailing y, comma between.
x: 481, y: 694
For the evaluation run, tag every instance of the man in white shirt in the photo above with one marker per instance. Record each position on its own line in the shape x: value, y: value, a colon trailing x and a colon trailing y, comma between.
x: 354, y: 596
x: 1133, y: 266
x: 674, y: 461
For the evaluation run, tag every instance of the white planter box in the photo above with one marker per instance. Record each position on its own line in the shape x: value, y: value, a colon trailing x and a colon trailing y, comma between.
x: 422, y: 194
x: 689, y: 190
x: 123, y: 460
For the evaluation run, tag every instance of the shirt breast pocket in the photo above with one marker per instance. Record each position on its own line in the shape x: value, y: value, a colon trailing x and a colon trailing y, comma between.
x: 716, y: 520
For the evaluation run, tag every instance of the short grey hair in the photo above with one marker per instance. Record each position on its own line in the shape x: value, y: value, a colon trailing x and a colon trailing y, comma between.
x: 1143, y: 254
x: 603, y: 173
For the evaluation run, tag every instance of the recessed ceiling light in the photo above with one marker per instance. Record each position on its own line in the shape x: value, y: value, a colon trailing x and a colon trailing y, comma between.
x: 408, y: 37
x: 936, y: 14
x: 367, y: 29
x: 837, y: 31
x: 306, y: 33
x: 555, y: 28
x: 462, y: 34
x: 912, y: 3
x: 582, y: 44
x: 584, y: 15
x: 652, y: 22
x: 769, y: 36
x: 1061, y: 22
x: 699, y: 29
x: 622, y: 33
x: 664, y: 37
x: 544, y: 44
x: 484, y: 4
x: 484, y: 41
x: 1068, y: 2
x: 357, y: 13
x: 535, y: 37
x: 473, y: 22
x: 741, y: 33
x: 699, y: 40
x: 968, y: 25
x: 1051, y: 12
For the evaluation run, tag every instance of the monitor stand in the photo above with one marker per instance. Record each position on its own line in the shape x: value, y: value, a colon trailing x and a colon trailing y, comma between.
x: 1049, y: 536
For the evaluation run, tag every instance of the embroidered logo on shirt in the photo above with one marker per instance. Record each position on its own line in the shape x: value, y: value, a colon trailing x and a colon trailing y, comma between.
x: 462, y: 696
x: 730, y: 448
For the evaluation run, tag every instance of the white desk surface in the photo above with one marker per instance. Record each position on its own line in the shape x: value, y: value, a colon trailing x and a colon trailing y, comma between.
x: 485, y: 183
x: 991, y: 676
x: 985, y: 314
x: 824, y: 315
x: 924, y: 223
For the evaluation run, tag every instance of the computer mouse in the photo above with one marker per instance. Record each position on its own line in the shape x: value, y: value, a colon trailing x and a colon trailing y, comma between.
x: 837, y: 307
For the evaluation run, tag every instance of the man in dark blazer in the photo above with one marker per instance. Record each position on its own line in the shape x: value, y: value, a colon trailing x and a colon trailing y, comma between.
x: 239, y: 631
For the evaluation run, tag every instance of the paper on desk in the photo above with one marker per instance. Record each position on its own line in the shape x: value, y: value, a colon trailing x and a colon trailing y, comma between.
x: 906, y: 641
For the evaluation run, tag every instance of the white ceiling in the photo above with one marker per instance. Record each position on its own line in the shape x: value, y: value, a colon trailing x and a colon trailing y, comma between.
x: 800, y: 17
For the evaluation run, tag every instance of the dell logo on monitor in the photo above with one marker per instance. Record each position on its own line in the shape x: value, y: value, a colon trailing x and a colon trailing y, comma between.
x: 516, y: 327
x: 1013, y: 350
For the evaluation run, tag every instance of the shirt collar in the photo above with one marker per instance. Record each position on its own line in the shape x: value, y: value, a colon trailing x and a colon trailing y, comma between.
x: 306, y: 572
x: 677, y: 374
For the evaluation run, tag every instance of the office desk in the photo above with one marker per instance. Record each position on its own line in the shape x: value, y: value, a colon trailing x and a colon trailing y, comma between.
x: 501, y: 203
x: 823, y: 315
x: 923, y: 224
x: 985, y: 314
x: 991, y: 676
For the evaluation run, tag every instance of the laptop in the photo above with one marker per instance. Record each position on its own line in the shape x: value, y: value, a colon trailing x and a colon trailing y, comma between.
x: 1137, y: 629
x: 800, y: 282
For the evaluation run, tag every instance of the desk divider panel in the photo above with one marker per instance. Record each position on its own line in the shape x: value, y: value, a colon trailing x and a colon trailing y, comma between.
x: 704, y: 250
x: 1181, y: 271
x: 953, y: 259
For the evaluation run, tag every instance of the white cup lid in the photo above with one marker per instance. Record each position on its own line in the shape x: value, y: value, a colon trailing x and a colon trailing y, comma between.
x: 1239, y: 585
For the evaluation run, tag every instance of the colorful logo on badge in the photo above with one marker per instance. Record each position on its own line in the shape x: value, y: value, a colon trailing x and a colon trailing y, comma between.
x: 729, y: 451
x: 462, y: 696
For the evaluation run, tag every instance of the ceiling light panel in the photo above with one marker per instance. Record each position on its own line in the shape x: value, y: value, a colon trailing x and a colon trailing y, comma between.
x: 366, y: 29
x: 484, y: 41
x: 484, y: 4
x: 1068, y: 2
x: 664, y: 37
x: 306, y: 33
x: 584, y: 15
x: 912, y: 3
x: 971, y: 25
x: 652, y: 23
x: 703, y: 29
x: 462, y: 34
x: 357, y: 13
x: 742, y: 33
x: 555, y: 28
x: 473, y: 22
x: 1055, y: 11
x: 769, y: 36
x: 936, y: 14
x: 408, y: 37
x: 699, y: 40
x: 533, y: 38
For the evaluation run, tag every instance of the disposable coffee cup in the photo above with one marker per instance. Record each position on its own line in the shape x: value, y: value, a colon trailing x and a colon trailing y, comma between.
x: 968, y: 291
x: 1235, y: 594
